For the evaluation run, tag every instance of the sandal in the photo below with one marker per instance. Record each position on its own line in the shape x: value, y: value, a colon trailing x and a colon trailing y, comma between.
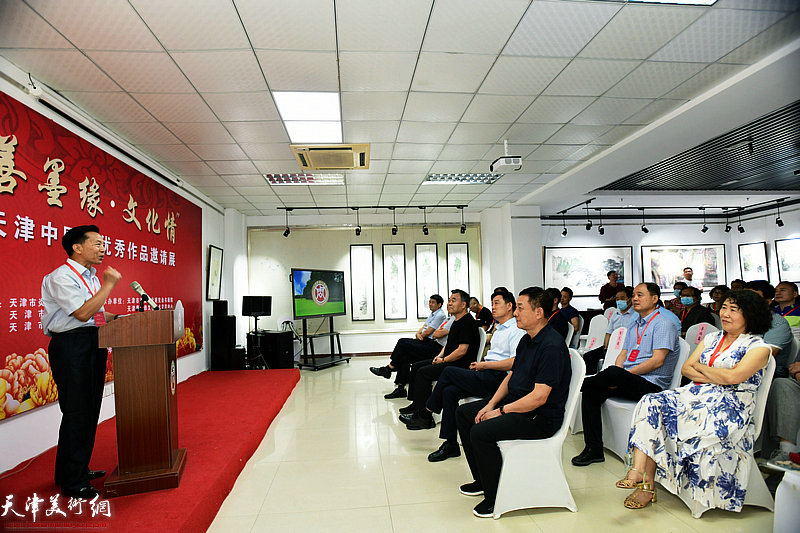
x: 632, y: 502
x: 626, y: 483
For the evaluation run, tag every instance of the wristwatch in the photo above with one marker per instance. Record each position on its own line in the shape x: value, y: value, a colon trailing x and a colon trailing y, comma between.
x: 502, y: 410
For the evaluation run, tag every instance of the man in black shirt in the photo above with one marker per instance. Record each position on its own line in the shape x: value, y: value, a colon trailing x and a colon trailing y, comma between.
x: 482, y: 315
x: 693, y: 313
x: 461, y: 350
x: 528, y: 404
x: 555, y: 317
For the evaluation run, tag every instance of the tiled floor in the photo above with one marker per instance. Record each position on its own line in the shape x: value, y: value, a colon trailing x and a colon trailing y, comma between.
x: 337, y: 459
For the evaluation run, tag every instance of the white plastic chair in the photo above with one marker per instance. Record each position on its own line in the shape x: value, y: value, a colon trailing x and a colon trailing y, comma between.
x: 526, y: 463
x: 787, y: 504
x: 793, y: 350
x: 576, y: 336
x: 717, y: 321
x: 595, y: 336
x: 617, y: 413
x: 695, y: 334
x: 608, y: 312
x: 570, y: 332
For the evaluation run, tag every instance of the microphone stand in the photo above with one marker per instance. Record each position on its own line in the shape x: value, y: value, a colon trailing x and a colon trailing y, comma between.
x: 142, y: 300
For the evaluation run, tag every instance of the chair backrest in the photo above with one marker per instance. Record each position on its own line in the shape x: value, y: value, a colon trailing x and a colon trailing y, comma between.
x: 481, y: 343
x: 608, y: 312
x: 570, y: 332
x: 575, y: 383
x: 695, y: 334
x: 597, y: 331
x: 683, y: 354
x: 761, y: 395
x: 793, y: 350
x: 615, y: 344
x: 576, y: 336
x: 717, y: 322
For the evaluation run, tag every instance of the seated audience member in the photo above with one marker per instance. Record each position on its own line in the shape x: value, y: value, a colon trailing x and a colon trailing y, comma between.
x: 737, y: 285
x: 569, y: 312
x: 620, y: 318
x: 672, y: 317
x: 695, y: 439
x: 675, y: 304
x: 779, y: 335
x: 609, y: 290
x: 645, y: 364
x: 717, y: 295
x: 782, y: 416
x: 688, y: 273
x: 482, y: 315
x: 786, y: 304
x: 427, y: 342
x: 556, y: 319
x: 528, y: 404
x: 693, y: 313
x: 460, y: 350
x: 481, y: 379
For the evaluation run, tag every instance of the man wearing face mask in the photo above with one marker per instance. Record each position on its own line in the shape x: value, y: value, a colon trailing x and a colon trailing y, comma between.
x: 675, y: 304
x: 620, y: 318
x: 693, y: 313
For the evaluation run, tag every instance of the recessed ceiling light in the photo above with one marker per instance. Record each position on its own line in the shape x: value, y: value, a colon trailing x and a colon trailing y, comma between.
x: 314, y: 132
x: 487, y: 179
x: 304, y: 179
x: 310, y: 117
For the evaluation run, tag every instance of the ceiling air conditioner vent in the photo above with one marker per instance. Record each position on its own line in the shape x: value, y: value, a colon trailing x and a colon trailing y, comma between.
x: 331, y: 156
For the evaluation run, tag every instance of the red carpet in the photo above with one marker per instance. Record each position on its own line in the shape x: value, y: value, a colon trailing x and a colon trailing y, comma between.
x: 222, y: 418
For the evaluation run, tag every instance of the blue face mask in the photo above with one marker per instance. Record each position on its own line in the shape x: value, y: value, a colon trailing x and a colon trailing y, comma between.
x: 687, y: 300
x: 677, y: 293
x: 622, y: 305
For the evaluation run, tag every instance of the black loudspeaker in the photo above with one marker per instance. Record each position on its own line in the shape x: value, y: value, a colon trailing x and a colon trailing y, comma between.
x: 277, y: 347
x: 220, y: 307
x: 223, y: 343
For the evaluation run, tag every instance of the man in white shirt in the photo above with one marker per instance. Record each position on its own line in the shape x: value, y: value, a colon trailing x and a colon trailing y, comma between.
x: 620, y: 318
x: 481, y: 379
x: 687, y: 277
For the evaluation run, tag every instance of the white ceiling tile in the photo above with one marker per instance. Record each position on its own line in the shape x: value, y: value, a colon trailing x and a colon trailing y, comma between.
x: 430, y: 132
x: 517, y: 179
x: 558, y: 29
x: 223, y: 191
x: 655, y: 110
x: 63, y: 70
x: 587, y: 151
x: 329, y: 190
x: 143, y: 132
x: 363, y: 190
x: 98, y: 24
x: 436, y: 107
x: 472, y: 188
x: 530, y: 133
x: 501, y: 188
x: 451, y: 167
x: 267, y: 151
x: 169, y: 152
x: 447, y: 72
x: 221, y: 152
x: 617, y: 134
x: 260, y: 193
x: 185, y: 25
x: 204, y: 181
x: 472, y: 26
x: 416, y: 151
x: 277, y: 167
x: 363, y: 199
x: 704, y: 80
x: 23, y: 28
x: 365, y: 131
x: 652, y: 79
x: 638, y: 30
x: 231, y: 167
x: 189, y: 168
x: 396, y: 199
x: 395, y: 27
x: 425, y: 198
x: 219, y: 71
x: 498, y: 150
x: 258, y: 132
x: 490, y: 108
x: 242, y: 106
x: 535, y: 166
x: 365, y: 105
x: 435, y: 188
x: 176, y: 107
x: 555, y: 109
x: 408, y: 167
x: 549, y: 152
x: 292, y: 70
x: 715, y: 34
x: 292, y: 191
x: 563, y: 166
x: 307, y: 25
x: 109, y: 107
x: 245, y: 180
x: 380, y: 150
x: 765, y: 42
x: 522, y: 75
x: 389, y: 71
x: 404, y: 179
x: 200, y: 132
x: 610, y: 110
x: 402, y: 189
x: 575, y: 134
x: 358, y: 179
x: 455, y: 197
x: 774, y: 5
x: 458, y: 152
x: 376, y: 166
x: 477, y: 133
x: 590, y: 77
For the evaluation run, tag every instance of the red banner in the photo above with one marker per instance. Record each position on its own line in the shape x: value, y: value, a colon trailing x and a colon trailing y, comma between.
x: 51, y: 180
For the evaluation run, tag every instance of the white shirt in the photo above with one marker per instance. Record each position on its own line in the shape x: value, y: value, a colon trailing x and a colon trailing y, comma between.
x: 505, y: 339
x: 619, y: 319
x: 63, y: 294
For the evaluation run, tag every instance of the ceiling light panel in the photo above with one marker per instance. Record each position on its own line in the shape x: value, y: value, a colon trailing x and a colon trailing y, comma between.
x: 371, y: 71
x: 395, y: 27
x: 444, y: 72
x: 318, y: 106
x: 289, y: 70
x: 305, y: 179
x: 242, y: 106
x: 558, y: 29
x: 484, y: 178
x: 452, y: 28
x: 314, y: 132
x: 307, y: 25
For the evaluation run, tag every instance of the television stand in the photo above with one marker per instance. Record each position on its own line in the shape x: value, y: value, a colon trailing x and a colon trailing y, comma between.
x: 325, y: 361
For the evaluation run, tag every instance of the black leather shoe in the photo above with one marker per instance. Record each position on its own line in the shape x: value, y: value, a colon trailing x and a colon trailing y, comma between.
x: 87, y: 493
x: 406, y: 417
x: 96, y: 474
x: 484, y: 510
x: 445, y: 451
x: 421, y: 421
x: 399, y: 392
x: 471, y: 489
x: 408, y: 409
x: 588, y: 456
x: 382, y: 371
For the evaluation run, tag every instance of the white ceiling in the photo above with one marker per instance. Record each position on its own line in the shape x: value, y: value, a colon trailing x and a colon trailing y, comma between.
x: 434, y: 86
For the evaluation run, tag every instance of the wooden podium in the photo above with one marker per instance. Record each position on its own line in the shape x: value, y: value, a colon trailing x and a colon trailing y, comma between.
x: 145, y: 387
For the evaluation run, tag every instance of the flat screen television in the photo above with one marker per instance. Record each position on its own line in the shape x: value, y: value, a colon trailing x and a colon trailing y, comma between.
x: 317, y: 293
x: 256, y: 305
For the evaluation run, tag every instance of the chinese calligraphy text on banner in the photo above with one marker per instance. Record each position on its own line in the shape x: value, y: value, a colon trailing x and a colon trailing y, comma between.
x: 51, y: 180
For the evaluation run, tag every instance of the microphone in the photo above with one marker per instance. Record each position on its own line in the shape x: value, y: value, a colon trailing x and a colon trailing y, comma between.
x: 145, y: 298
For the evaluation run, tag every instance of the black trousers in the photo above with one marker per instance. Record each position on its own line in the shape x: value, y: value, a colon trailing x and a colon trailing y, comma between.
x: 592, y: 359
x: 480, y: 440
x: 613, y: 382
x: 423, y: 374
x: 409, y: 351
x: 79, y: 370
x: 456, y: 383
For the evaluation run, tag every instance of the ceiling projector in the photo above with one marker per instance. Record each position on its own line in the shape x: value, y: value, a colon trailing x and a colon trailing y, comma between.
x: 506, y: 163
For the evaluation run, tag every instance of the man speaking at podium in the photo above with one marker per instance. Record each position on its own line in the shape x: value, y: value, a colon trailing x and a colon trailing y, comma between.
x: 73, y: 299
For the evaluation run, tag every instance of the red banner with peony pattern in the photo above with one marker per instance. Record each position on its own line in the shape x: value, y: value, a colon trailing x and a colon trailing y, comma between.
x: 51, y: 180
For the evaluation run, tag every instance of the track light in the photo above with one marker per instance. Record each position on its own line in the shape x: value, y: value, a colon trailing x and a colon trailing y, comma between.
x: 463, y: 225
x: 394, y: 221
x: 394, y: 230
x: 358, y: 231
x: 564, y: 223
x: 358, y: 223
x: 778, y: 220
x: 740, y: 228
x: 600, y: 229
x: 463, y: 228
x: 588, y: 220
x: 564, y: 233
x: 704, y: 229
x: 287, y: 231
x: 644, y: 227
x: 727, y: 228
x: 424, y: 229
x: 424, y: 221
x: 705, y: 226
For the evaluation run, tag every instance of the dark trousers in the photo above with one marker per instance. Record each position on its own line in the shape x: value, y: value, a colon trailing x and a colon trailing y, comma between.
x: 79, y: 370
x: 456, y: 383
x: 409, y: 351
x: 423, y: 374
x: 613, y: 382
x: 592, y: 359
x: 480, y: 440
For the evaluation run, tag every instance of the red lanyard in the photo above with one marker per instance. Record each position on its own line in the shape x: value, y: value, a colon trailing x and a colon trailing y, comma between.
x: 790, y: 310
x: 639, y: 337
x: 551, y: 316
x: 716, y: 353
x: 684, y: 313
x: 82, y: 279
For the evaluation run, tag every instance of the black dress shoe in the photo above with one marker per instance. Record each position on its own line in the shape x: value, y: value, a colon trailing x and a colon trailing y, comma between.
x: 399, y: 392
x: 408, y: 409
x: 588, y: 456
x: 96, y: 474
x: 484, y: 510
x: 406, y: 417
x: 422, y: 420
x: 87, y: 493
x: 382, y: 371
x: 471, y: 489
x: 446, y: 450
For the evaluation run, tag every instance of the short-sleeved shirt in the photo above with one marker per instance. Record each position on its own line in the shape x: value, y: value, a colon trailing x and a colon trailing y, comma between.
x: 504, y: 340
x: 791, y: 313
x: 63, y: 293
x: 780, y: 336
x: 607, y: 291
x: 448, y: 321
x: 542, y: 359
x: 658, y: 335
x: 463, y: 331
x: 558, y: 323
x: 569, y: 312
x: 435, y: 320
x: 484, y: 317
x: 620, y: 320
x: 672, y: 317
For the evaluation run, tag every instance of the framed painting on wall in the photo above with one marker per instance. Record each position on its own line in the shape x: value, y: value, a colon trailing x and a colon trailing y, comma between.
x: 583, y: 269
x: 753, y: 261
x: 427, y: 267
x: 394, y: 281
x: 787, y: 252
x: 664, y: 265
x: 457, y: 267
x: 214, y: 273
x: 362, y: 290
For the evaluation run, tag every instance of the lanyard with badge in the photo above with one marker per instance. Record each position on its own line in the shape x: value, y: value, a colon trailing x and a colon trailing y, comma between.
x: 790, y: 310
x: 635, y: 352
x: 99, y: 317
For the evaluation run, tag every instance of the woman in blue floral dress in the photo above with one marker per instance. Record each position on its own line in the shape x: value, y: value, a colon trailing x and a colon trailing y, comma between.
x: 696, y: 438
